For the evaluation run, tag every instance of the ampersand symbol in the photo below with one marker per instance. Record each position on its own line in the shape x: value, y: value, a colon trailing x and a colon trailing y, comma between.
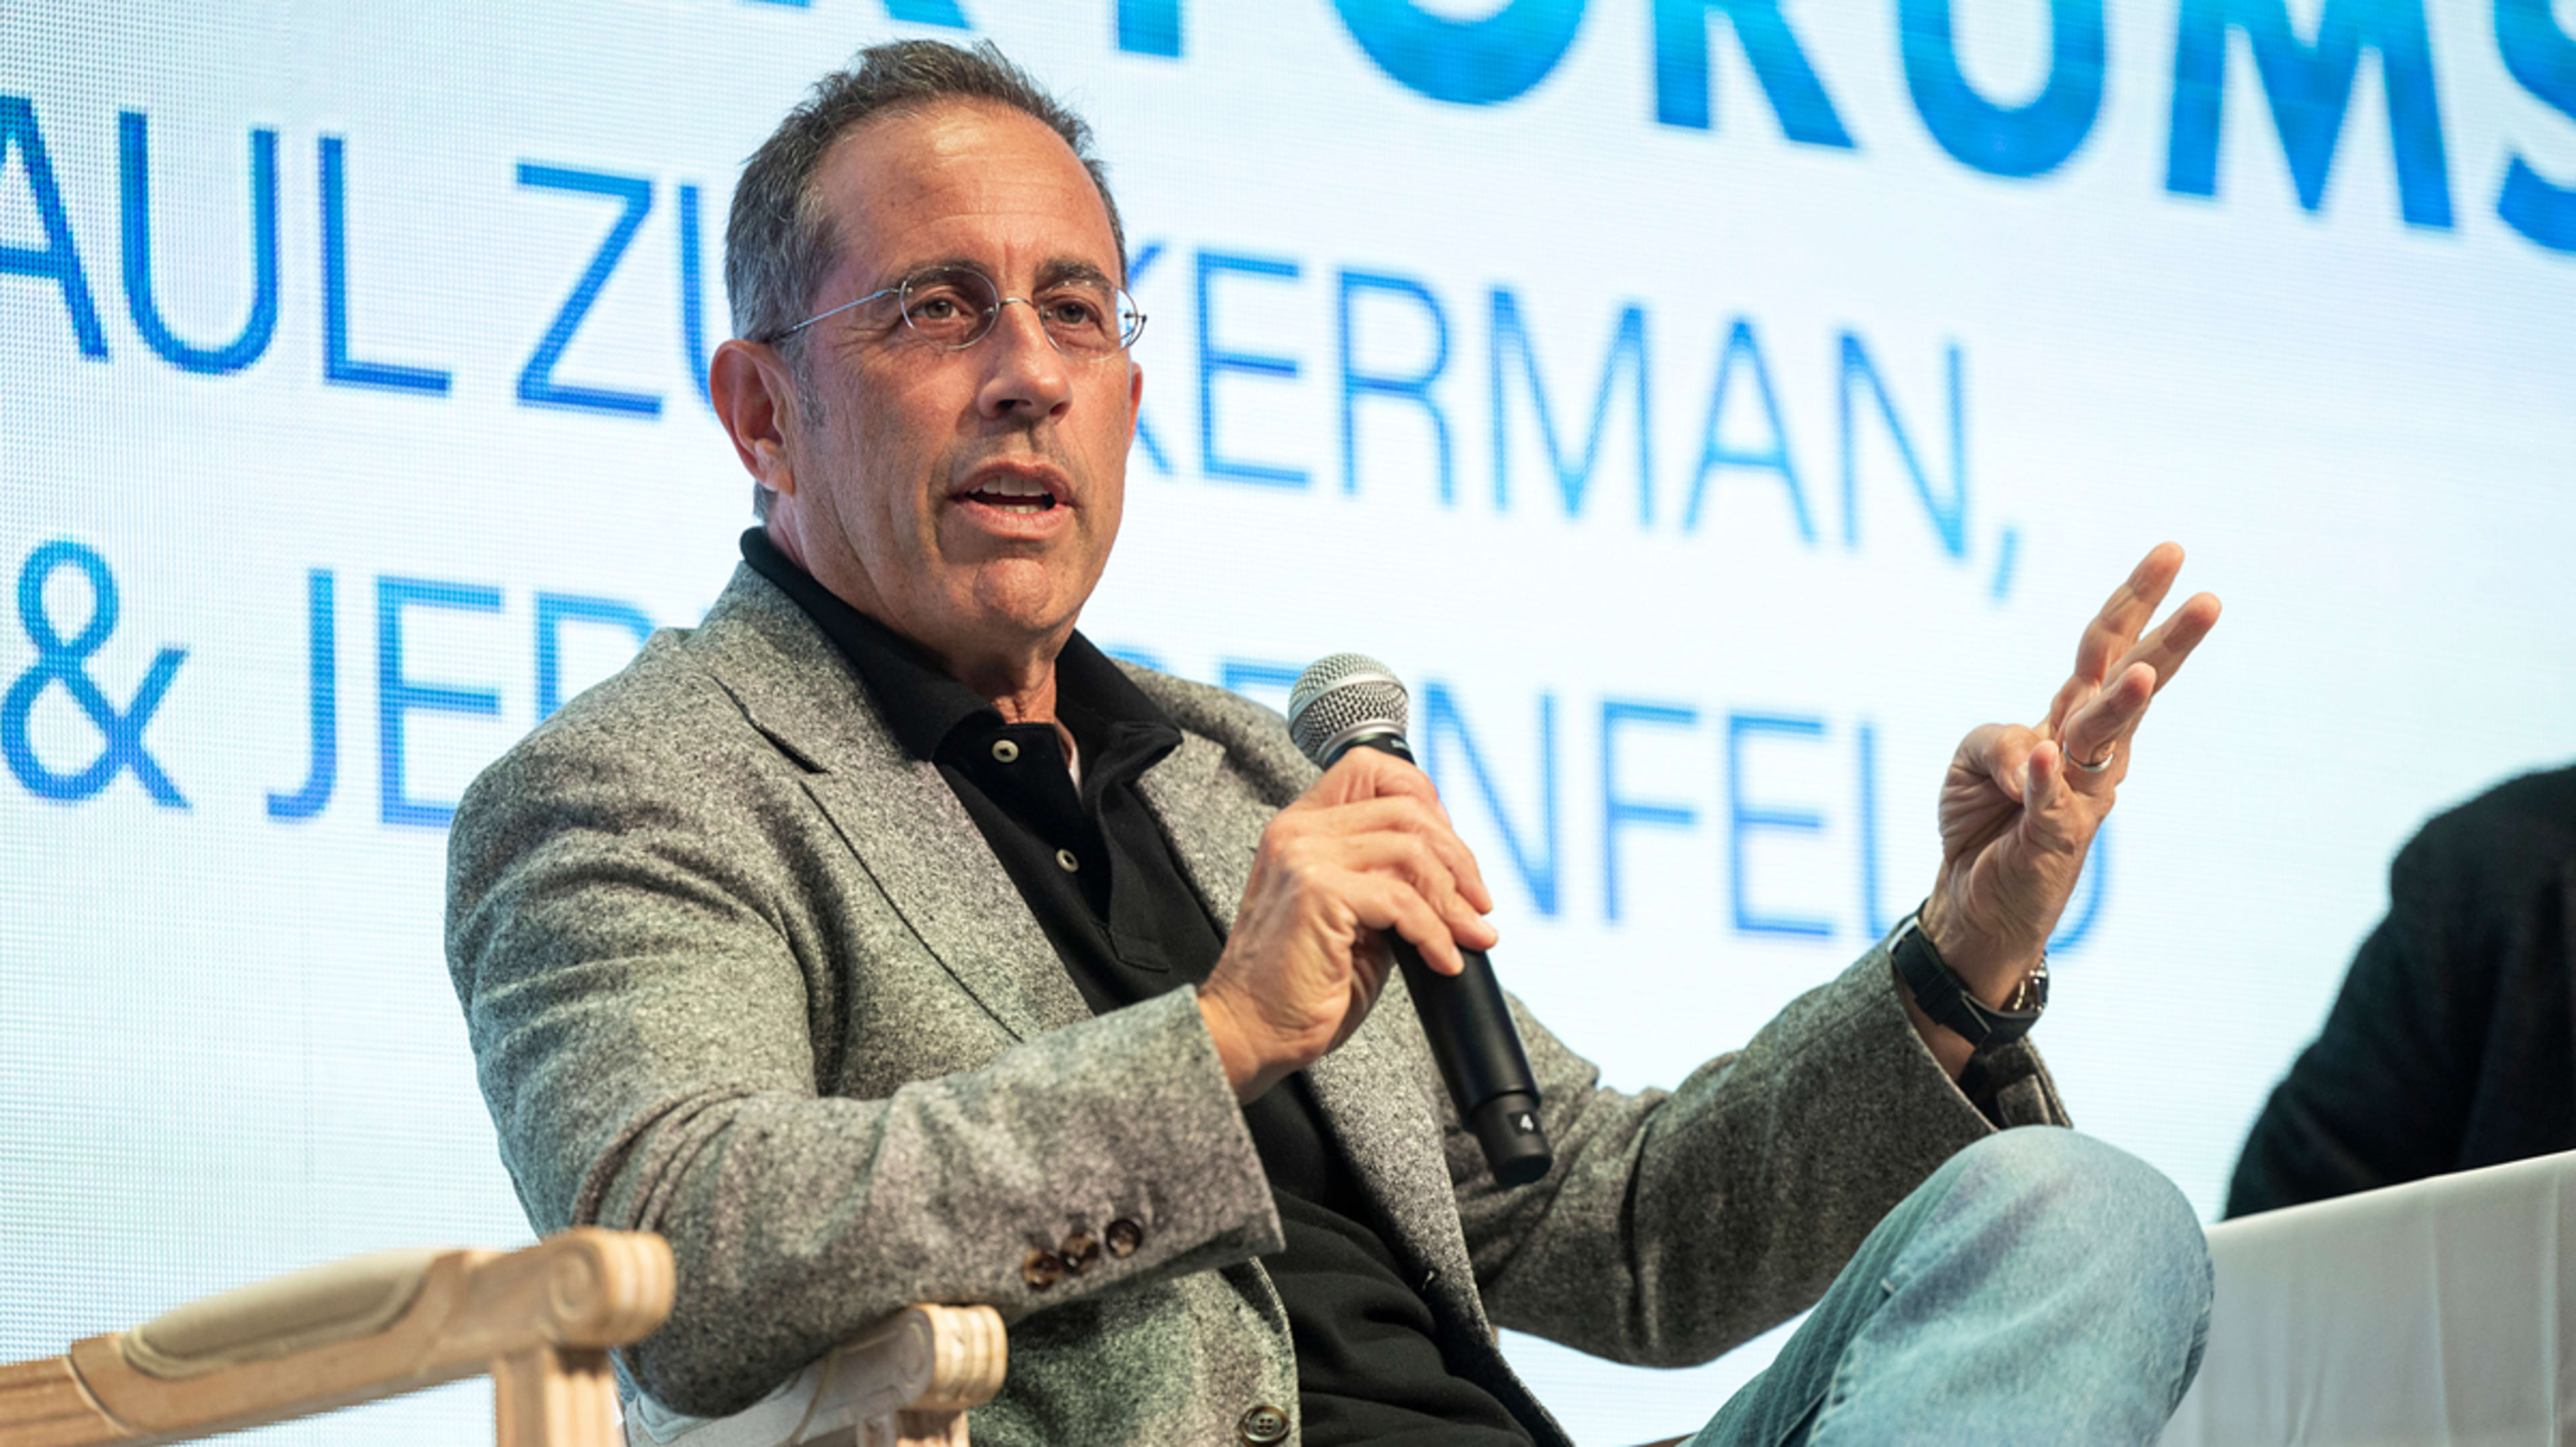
x: 59, y: 662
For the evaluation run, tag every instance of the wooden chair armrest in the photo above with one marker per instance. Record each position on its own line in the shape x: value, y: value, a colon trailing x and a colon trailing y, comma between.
x: 907, y: 1381
x: 539, y: 1319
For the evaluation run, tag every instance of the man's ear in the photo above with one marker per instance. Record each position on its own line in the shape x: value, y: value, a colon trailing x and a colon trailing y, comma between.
x: 755, y: 400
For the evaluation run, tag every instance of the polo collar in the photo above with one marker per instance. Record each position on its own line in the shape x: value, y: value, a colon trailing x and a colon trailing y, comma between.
x: 923, y: 706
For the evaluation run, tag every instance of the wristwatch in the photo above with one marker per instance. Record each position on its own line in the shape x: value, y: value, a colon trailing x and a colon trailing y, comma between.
x: 1946, y: 998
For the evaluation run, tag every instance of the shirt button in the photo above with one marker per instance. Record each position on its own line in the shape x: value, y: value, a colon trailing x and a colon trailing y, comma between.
x: 1065, y: 861
x: 1042, y: 1270
x: 1263, y: 1425
x: 1005, y: 752
x: 1079, y: 1250
x: 1124, y: 1237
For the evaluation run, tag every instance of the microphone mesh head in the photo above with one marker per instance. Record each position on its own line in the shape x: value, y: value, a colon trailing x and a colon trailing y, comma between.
x: 1341, y: 696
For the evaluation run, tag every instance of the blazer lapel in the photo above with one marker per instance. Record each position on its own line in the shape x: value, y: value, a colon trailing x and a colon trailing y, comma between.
x: 1215, y: 853
x: 1371, y: 1091
x: 923, y: 850
x: 896, y: 813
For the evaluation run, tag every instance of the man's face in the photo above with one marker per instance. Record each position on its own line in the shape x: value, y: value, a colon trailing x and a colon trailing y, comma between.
x: 967, y: 499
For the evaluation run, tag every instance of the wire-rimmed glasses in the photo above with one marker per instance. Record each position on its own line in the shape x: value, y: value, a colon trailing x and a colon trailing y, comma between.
x: 953, y: 307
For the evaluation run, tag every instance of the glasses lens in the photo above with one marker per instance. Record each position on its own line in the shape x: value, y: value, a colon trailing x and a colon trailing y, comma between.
x: 1084, y: 318
x: 950, y: 307
x: 1131, y: 322
x: 953, y: 307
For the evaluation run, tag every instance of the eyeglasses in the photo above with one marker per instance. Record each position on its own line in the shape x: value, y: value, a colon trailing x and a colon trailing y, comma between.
x: 953, y: 307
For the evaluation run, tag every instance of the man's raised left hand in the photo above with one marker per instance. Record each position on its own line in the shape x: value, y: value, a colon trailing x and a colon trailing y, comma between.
x: 2020, y: 805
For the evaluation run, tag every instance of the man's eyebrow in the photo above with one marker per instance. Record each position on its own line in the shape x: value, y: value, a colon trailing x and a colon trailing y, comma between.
x: 1051, y: 273
x: 1062, y: 270
x: 944, y: 263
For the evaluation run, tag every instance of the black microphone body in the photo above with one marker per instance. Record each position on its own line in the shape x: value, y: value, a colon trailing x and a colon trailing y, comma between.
x: 1470, y: 1028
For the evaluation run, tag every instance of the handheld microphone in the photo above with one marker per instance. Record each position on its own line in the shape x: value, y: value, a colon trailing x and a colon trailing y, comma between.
x: 1351, y: 701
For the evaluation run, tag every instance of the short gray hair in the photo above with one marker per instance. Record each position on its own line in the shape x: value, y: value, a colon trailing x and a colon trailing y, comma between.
x: 779, y: 241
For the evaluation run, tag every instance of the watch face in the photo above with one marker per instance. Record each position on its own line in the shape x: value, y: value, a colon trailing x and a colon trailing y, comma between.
x: 2033, y: 993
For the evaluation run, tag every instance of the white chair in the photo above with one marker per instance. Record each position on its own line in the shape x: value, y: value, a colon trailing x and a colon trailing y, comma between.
x: 906, y: 1382
x: 2441, y: 1313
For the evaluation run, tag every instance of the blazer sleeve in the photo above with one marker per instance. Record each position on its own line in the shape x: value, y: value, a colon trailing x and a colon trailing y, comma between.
x: 640, y: 969
x: 1675, y: 1225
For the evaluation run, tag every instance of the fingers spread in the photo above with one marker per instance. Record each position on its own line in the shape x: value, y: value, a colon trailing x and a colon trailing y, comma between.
x: 2165, y: 649
x: 2131, y: 604
x: 2105, y: 723
x: 2070, y: 697
x: 2112, y: 646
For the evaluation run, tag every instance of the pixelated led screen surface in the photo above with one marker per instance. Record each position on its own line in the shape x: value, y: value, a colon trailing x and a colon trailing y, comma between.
x: 1713, y: 407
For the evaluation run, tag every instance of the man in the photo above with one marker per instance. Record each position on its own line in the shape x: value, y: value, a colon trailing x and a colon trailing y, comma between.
x: 880, y: 941
x: 2453, y: 1043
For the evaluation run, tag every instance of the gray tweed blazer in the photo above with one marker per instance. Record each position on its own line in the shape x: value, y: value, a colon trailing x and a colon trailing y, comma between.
x: 738, y: 970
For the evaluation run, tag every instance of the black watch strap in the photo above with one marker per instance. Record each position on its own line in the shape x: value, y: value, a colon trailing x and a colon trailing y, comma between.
x: 1946, y: 998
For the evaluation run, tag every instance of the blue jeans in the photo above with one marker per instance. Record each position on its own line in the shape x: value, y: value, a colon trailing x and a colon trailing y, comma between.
x: 2041, y: 1287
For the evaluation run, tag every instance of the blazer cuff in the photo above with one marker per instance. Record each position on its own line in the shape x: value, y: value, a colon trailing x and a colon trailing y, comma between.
x: 1185, y: 1191
x: 2006, y: 1086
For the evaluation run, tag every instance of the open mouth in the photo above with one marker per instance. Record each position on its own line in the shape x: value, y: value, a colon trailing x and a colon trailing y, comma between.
x: 1027, y: 496
x: 1023, y: 502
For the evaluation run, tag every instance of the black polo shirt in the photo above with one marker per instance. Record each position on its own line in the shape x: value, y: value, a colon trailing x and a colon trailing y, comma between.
x: 1094, y: 867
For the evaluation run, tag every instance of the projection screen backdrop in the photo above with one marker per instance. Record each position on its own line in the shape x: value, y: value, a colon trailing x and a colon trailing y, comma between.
x: 1714, y: 407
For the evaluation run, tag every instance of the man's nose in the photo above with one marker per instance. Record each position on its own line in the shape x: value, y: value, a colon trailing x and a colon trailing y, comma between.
x: 1027, y: 374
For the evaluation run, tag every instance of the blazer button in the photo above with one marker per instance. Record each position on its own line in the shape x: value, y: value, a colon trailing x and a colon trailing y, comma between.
x: 1124, y: 1237
x: 1263, y: 1425
x: 1005, y: 752
x: 1079, y: 1251
x: 1042, y: 1270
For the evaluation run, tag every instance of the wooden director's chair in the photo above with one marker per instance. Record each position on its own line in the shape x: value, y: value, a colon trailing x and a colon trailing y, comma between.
x: 540, y: 1321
